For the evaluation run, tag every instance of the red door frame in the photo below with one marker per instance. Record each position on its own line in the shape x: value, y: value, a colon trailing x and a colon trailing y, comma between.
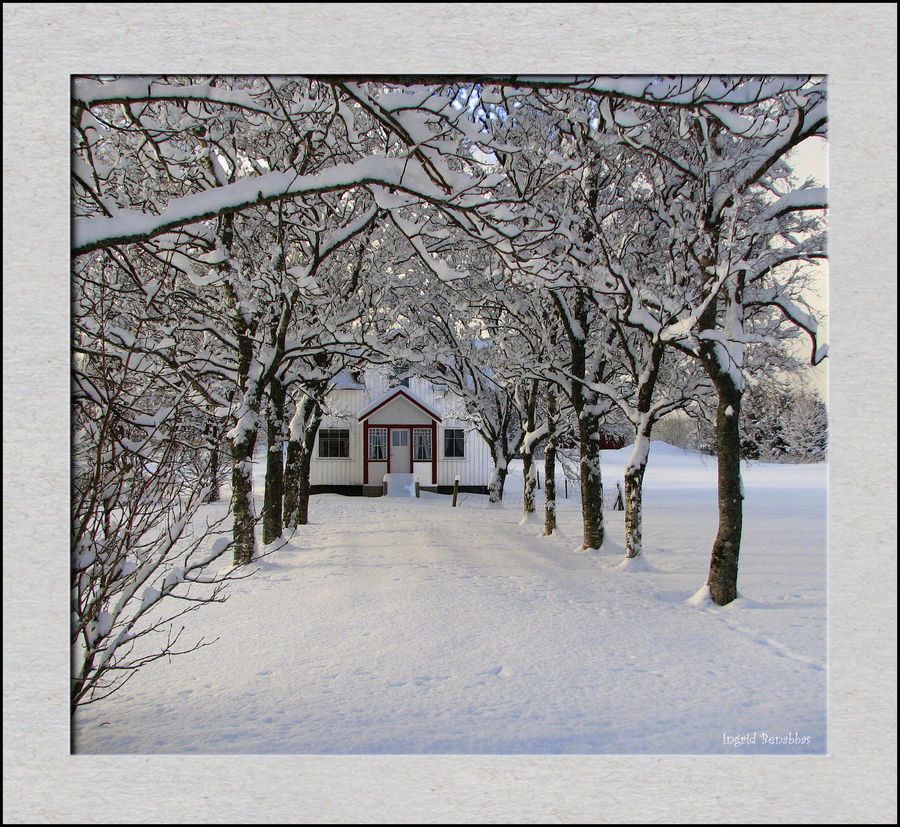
x: 412, y: 460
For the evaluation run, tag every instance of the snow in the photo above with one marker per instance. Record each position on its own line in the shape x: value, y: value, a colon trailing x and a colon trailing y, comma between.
x: 809, y: 198
x: 150, y: 596
x: 403, y: 625
x: 400, y: 485
x: 91, y: 92
x: 89, y: 233
x: 531, y: 437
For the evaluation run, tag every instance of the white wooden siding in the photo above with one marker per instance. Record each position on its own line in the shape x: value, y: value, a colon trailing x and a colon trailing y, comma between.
x: 473, y: 469
x: 343, y: 408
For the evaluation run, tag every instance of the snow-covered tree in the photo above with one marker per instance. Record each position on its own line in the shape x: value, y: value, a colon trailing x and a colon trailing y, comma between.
x: 710, y: 152
x: 783, y: 422
x: 653, y: 218
x: 141, y: 557
x: 556, y: 252
x: 735, y: 223
x: 248, y: 181
x: 343, y: 324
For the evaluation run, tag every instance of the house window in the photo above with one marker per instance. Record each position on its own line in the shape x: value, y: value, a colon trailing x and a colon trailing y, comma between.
x: 422, y: 444
x: 454, y: 443
x: 377, y: 444
x: 334, y: 443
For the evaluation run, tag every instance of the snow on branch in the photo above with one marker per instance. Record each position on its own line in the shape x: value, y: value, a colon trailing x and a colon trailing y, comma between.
x: 685, y: 90
x: 413, y: 233
x: 406, y: 174
x: 792, y: 311
x: 803, y: 122
x: 533, y: 437
x: 131, y: 90
x: 811, y: 198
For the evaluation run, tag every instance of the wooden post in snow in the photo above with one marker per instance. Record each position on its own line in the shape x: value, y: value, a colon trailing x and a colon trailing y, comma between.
x: 455, y: 492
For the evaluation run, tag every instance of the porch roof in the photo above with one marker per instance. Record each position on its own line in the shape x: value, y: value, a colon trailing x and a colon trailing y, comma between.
x: 393, y: 393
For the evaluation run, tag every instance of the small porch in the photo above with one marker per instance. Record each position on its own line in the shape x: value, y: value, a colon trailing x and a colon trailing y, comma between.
x: 399, y: 433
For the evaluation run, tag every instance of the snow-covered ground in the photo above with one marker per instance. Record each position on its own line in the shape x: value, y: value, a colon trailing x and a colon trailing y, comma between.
x: 402, y: 625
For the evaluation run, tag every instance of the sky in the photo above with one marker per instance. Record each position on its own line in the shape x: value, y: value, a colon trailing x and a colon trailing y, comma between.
x: 811, y: 159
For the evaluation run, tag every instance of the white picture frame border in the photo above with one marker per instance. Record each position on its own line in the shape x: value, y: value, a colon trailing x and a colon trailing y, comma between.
x: 855, y: 44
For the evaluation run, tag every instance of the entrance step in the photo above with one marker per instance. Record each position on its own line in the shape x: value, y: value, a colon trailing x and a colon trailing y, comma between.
x: 401, y: 485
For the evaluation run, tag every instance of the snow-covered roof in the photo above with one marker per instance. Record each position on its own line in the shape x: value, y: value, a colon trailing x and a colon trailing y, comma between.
x: 345, y: 382
x: 395, y: 392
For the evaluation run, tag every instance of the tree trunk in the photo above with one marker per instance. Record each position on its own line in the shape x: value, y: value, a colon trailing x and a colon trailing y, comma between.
x: 297, y: 468
x: 723, y: 368
x: 292, y: 483
x: 550, y: 468
x: 242, y: 444
x: 634, y: 490
x: 640, y: 454
x: 577, y: 326
x: 634, y: 482
x: 242, y: 505
x: 528, y: 467
x: 498, y: 481
x: 212, y: 434
x: 723, y: 567
x: 274, y: 491
x: 591, y: 480
x: 214, y: 494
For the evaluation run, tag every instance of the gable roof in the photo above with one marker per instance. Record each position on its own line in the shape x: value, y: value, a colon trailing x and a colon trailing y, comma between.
x: 393, y: 393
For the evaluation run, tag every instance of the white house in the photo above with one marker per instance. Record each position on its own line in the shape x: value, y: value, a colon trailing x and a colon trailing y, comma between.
x: 375, y: 426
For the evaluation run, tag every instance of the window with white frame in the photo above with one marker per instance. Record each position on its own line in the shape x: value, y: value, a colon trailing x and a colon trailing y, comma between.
x: 422, y: 444
x: 334, y: 443
x: 454, y: 443
x: 377, y: 444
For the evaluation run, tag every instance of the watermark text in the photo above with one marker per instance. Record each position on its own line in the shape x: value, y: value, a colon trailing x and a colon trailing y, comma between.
x: 765, y: 739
